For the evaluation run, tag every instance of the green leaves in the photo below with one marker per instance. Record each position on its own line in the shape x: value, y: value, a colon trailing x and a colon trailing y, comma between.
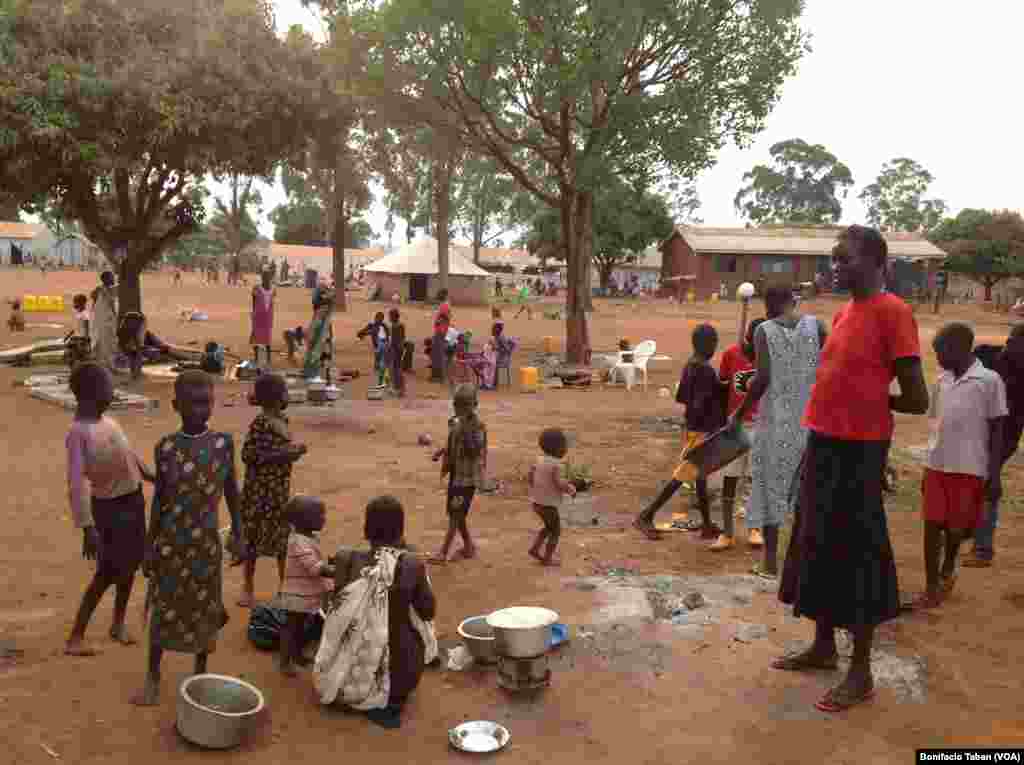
x: 895, y: 200
x: 803, y: 186
x: 986, y: 246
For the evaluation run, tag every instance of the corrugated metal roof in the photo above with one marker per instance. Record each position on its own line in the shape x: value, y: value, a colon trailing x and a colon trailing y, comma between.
x: 9, y: 230
x: 795, y: 241
x: 320, y: 259
x: 420, y: 257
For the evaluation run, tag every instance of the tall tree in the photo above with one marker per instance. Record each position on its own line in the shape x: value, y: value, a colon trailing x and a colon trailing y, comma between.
x: 627, y: 220
x: 484, y: 202
x: 583, y: 91
x: 121, y: 110
x: 304, y: 218
x: 985, y: 246
x: 803, y: 185
x: 896, y: 202
x: 234, y: 223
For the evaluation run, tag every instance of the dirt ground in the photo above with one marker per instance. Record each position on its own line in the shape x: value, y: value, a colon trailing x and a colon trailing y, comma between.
x: 627, y: 686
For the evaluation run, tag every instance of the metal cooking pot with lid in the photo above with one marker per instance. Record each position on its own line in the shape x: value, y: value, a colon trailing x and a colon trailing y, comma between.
x: 522, y: 632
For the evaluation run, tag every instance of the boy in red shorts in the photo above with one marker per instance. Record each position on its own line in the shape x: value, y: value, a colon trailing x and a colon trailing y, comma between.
x: 964, y: 456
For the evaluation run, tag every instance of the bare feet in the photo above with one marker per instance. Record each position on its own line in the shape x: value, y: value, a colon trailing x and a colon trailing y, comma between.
x: 552, y: 561
x: 927, y: 600
x: 120, y: 634
x: 468, y: 553
x: 438, y: 560
x: 79, y: 647
x: 812, y: 658
x: 150, y: 695
x: 288, y: 670
x: 536, y: 554
x: 246, y: 600
x: 855, y: 689
x: 647, y: 529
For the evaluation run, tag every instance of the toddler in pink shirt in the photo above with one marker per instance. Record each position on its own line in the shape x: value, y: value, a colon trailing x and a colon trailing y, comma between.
x: 307, y: 576
x: 546, y: 489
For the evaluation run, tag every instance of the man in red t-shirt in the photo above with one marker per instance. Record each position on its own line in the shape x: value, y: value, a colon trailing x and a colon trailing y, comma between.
x: 839, y: 568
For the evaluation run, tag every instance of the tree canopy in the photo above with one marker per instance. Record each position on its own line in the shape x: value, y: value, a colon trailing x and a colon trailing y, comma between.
x: 566, y: 94
x: 985, y: 246
x: 627, y: 220
x: 895, y: 201
x: 803, y: 185
x: 119, y: 110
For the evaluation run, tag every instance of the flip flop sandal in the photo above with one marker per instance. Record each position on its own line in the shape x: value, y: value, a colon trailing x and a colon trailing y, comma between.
x: 977, y: 563
x: 946, y: 585
x: 798, y: 662
x: 648, y: 531
x: 758, y: 571
x: 924, y: 601
x: 834, y: 702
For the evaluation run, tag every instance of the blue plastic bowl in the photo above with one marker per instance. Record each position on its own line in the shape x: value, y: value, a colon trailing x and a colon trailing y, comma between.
x: 559, y: 634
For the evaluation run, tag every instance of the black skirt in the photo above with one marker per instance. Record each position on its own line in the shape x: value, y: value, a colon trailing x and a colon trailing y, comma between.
x: 840, y: 566
x: 121, y: 526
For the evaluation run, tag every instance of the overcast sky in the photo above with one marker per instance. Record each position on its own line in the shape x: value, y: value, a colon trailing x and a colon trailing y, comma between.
x: 939, y: 82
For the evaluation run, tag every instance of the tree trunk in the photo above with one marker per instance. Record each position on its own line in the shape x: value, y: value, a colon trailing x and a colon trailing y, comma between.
x: 576, y: 222
x: 129, y: 284
x: 604, y: 274
x: 340, y: 300
x: 442, y: 203
x: 10, y: 209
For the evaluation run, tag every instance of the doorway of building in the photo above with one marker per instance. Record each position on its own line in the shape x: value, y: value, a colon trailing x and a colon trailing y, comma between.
x: 418, y: 287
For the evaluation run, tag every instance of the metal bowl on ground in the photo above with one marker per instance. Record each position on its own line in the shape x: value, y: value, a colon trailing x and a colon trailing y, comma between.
x: 522, y: 632
x: 217, y: 711
x: 479, y: 736
x: 478, y: 636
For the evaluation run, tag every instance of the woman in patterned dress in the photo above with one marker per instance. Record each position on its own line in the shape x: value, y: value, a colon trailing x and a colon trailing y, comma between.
x: 195, y: 467
x: 787, y: 346
x: 268, y: 455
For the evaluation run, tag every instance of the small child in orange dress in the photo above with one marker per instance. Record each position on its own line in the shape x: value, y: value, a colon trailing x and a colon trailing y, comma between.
x: 307, y: 576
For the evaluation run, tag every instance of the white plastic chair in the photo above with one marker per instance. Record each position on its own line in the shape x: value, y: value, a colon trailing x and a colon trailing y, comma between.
x: 641, y: 355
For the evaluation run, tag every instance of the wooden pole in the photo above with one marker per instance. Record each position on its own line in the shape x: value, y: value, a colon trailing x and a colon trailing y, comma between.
x: 744, y: 307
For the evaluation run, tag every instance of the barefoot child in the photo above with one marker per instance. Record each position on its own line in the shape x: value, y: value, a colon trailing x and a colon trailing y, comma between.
x: 268, y: 455
x: 964, y: 458
x: 16, y: 322
x: 378, y: 333
x: 195, y: 467
x: 736, y: 371
x: 305, y: 580
x: 546, y: 489
x: 703, y: 395
x: 465, y: 460
x: 106, y: 502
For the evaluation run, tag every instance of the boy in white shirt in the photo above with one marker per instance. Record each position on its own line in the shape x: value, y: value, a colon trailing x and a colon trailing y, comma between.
x: 964, y: 456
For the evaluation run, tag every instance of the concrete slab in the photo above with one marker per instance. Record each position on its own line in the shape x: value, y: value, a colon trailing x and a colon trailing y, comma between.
x: 62, y: 396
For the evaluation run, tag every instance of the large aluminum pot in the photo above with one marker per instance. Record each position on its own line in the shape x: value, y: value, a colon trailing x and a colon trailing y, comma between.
x: 522, y: 632
x: 216, y: 711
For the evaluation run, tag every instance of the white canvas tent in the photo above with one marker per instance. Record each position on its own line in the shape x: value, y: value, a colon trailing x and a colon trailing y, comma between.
x: 412, y: 271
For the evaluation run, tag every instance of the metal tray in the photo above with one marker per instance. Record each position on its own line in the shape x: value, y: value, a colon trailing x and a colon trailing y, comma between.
x: 479, y: 737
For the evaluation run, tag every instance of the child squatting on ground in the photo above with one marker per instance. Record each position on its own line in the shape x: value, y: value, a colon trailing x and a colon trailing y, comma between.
x: 964, y: 458
x: 104, y: 482
x: 464, y: 462
x: 268, y: 455
x: 546, y: 489
x: 195, y: 467
x: 704, y: 397
x: 307, y: 577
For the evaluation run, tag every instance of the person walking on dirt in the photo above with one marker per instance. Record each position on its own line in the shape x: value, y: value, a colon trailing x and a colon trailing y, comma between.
x: 104, y: 322
x: 839, y: 570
